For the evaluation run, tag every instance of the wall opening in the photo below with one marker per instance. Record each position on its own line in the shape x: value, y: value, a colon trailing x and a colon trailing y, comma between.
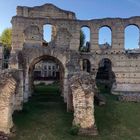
x: 47, y: 70
x: 48, y: 33
x: 105, y: 38
x: 132, y: 37
x: 86, y: 65
x: 105, y: 76
x: 84, y: 39
x: 46, y: 104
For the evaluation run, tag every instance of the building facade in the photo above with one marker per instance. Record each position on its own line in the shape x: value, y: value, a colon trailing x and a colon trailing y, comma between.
x: 46, y: 70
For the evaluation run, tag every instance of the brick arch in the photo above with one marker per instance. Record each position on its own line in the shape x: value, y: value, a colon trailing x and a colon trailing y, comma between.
x: 104, y: 59
x: 105, y: 25
x: 109, y: 77
x: 131, y: 24
x: 85, y: 25
x: 98, y: 60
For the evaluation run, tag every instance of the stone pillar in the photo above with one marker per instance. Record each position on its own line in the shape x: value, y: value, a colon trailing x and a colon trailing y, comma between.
x: 7, y: 92
x: 75, y: 41
x: 69, y: 102
x: 94, y: 40
x: 26, y: 91
x: 81, y: 85
x: 30, y: 75
x: 65, y: 89
x: 118, y: 38
x: 81, y: 64
x: 19, y: 90
x: 54, y: 32
x: 13, y: 61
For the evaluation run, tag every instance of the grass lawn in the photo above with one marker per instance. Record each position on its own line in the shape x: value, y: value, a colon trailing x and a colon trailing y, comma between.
x: 44, y: 117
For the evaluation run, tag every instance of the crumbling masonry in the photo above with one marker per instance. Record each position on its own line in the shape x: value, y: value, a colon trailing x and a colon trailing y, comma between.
x: 29, y: 47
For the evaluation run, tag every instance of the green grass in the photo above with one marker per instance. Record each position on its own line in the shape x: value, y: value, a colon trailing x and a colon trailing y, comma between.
x: 103, y: 88
x: 44, y: 117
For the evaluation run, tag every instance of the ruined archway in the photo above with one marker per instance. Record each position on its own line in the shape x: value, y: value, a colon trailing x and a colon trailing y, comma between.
x: 27, y: 37
x: 105, y: 76
x: 46, y: 57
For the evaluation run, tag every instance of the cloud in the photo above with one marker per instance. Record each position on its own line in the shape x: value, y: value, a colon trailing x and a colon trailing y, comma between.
x: 135, y: 2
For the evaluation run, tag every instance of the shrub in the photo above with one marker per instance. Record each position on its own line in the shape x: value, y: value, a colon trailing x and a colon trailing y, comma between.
x: 74, y: 130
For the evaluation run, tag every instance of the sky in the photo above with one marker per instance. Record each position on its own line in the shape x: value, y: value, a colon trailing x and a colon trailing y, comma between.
x: 84, y: 9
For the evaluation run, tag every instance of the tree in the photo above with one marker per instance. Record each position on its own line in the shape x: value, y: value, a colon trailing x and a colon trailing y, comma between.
x: 84, y: 46
x: 82, y: 39
x: 6, y: 40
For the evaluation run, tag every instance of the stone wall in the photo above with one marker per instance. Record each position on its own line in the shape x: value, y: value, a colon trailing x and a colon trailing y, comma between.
x: 7, y: 97
x: 28, y: 31
x: 1, y: 56
x: 28, y: 49
x: 82, y: 89
x: 46, y: 10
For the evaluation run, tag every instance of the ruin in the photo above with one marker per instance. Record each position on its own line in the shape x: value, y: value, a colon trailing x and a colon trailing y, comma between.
x: 29, y: 48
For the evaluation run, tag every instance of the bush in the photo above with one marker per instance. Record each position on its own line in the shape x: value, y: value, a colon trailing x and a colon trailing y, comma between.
x: 74, y: 130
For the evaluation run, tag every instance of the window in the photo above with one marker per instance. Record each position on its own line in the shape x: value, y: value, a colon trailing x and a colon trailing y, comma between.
x: 45, y: 67
x: 132, y: 39
x: 47, y: 33
x: 49, y: 67
x: 105, y: 38
x: 84, y: 39
x: 86, y: 65
x: 53, y: 67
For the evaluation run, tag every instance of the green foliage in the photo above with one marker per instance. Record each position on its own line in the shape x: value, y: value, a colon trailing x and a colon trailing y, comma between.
x: 6, y: 38
x: 82, y: 39
x: 84, y: 49
x: 74, y: 130
x: 103, y: 88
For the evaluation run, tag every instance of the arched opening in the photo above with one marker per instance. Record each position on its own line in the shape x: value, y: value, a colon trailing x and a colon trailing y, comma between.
x: 46, y: 69
x: 84, y: 39
x: 105, y: 76
x: 86, y: 65
x: 132, y: 38
x: 49, y: 32
x: 45, y: 109
x: 105, y: 39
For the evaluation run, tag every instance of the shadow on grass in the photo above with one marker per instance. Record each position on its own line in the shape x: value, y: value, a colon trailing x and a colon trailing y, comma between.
x: 106, y: 116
